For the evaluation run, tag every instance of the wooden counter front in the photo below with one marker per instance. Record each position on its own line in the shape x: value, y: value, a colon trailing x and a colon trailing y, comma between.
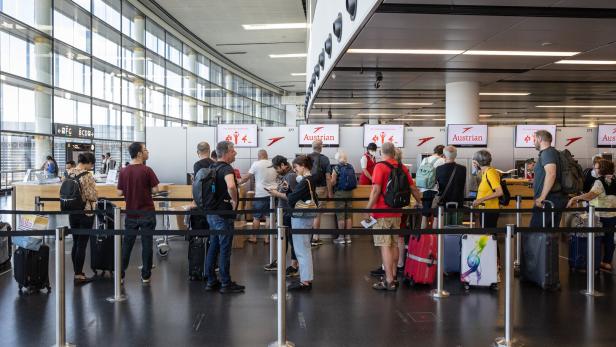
x: 24, y: 194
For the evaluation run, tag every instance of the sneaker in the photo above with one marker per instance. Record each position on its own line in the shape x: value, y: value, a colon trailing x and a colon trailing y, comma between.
x: 348, y: 240
x: 400, y: 269
x: 339, y: 240
x: 292, y: 272
x: 79, y: 280
x: 232, y: 288
x: 378, y: 272
x: 271, y: 267
x: 145, y: 280
x: 299, y: 286
x: 210, y: 287
x: 316, y: 242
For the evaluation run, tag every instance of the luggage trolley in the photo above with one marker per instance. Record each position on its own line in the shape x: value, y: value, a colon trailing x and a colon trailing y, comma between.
x: 162, y: 243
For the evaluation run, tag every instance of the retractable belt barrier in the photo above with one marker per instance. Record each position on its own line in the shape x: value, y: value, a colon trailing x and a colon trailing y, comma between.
x: 279, y: 230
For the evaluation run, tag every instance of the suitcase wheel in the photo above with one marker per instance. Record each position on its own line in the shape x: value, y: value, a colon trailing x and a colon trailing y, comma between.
x: 466, y: 286
x: 409, y: 282
x: 494, y: 286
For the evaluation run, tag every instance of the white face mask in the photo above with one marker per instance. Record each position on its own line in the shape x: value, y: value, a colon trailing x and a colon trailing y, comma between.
x: 372, y: 152
x: 299, y: 178
x: 594, y: 174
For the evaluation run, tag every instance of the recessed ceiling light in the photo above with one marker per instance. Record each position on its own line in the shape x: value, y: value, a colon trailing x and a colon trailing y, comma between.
x: 378, y: 114
x: 335, y: 103
x: 275, y: 26
x: 291, y: 55
x: 414, y: 103
x: 325, y: 114
x: 403, y: 119
x: 523, y: 53
x: 404, y: 51
x: 506, y: 94
x: 576, y: 106
x: 587, y: 62
x: 298, y: 74
x: 599, y: 116
x: 485, y: 115
x: 352, y: 124
x: 455, y: 52
x: 424, y: 115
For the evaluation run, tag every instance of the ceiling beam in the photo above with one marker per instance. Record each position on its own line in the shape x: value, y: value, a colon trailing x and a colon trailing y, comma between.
x: 508, y: 11
x: 429, y: 69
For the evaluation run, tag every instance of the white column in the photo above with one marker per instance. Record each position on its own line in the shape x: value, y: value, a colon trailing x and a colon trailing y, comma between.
x: 291, y: 114
x: 139, y: 56
x: 42, y: 100
x: 462, y: 103
x: 140, y: 29
x: 42, y: 12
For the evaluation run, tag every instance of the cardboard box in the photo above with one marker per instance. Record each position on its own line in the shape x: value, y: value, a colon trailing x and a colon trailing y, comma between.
x: 239, y: 240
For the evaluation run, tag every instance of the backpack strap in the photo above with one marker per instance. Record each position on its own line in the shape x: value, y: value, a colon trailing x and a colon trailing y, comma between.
x: 488, y: 179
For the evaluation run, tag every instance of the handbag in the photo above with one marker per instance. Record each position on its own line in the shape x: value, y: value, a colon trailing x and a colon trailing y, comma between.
x: 437, y: 199
x: 310, y: 204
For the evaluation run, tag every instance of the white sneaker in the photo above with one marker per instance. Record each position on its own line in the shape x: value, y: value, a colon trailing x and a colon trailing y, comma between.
x: 348, y: 240
x: 339, y: 240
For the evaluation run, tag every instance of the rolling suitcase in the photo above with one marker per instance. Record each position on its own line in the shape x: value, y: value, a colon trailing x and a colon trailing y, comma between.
x: 539, y: 261
x: 101, y: 247
x: 32, y: 269
x: 479, y: 261
x: 197, y: 248
x: 578, y: 243
x: 5, y: 248
x: 196, y: 258
x: 453, y: 243
x: 421, y: 259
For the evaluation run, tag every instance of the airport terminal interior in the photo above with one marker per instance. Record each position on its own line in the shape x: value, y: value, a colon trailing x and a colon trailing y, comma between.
x: 186, y: 108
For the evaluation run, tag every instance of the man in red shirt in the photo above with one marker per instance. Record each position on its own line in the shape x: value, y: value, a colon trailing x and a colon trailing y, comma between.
x: 136, y: 183
x: 387, y: 243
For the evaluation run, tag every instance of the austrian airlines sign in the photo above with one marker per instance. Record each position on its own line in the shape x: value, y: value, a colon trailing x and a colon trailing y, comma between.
x: 328, y: 133
x: 467, y: 135
x: 606, y: 136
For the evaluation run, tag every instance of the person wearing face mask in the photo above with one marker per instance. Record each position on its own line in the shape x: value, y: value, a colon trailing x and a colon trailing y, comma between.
x: 601, y: 195
x: 590, y: 174
x: 368, y: 161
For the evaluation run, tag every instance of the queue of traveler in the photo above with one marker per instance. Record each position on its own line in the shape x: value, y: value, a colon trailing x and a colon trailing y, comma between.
x: 440, y: 180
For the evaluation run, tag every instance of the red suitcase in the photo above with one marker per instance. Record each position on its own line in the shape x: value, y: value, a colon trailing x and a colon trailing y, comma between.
x: 421, y: 259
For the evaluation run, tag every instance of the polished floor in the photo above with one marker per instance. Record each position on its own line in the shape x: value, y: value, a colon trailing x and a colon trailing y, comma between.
x: 341, y: 310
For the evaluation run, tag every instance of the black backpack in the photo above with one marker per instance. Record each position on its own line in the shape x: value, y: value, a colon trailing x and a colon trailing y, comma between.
x: 204, y: 188
x: 398, y: 189
x: 70, y: 193
x: 317, y: 170
x: 504, y: 199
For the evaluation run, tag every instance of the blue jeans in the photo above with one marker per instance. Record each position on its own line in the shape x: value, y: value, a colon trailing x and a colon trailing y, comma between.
x: 220, y: 246
x: 142, y: 223
x: 608, y: 239
x: 303, y: 249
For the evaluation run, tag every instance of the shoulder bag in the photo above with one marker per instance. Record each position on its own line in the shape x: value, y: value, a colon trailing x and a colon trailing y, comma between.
x: 437, y: 199
x: 310, y: 204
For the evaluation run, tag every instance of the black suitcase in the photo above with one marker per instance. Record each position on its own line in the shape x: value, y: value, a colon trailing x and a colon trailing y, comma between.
x: 32, y: 269
x: 539, y: 263
x: 196, y: 258
x: 101, y: 254
x: 101, y: 247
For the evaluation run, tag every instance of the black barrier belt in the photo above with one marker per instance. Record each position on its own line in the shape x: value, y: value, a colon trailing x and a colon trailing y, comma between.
x: 207, y: 232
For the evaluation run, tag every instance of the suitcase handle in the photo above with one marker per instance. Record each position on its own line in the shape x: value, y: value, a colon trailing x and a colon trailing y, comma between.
x: 548, y: 203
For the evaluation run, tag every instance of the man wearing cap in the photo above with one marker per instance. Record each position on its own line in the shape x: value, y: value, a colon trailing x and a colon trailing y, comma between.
x: 286, y: 183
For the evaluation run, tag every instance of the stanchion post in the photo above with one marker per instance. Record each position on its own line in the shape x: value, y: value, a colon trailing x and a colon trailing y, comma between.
x: 590, y: 256
x: 439, y: 292
x: 518, y: 236
x: 281, y: 336
x: 117, y: 256
x: 60, y: 290
x: 272, y: 225
x: 507, y: 340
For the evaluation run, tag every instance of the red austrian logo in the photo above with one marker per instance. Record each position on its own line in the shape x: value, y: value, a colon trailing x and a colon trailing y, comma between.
x: 274, y: 140
x: 466, y: 129
x: 424, y: 140
x: 614, y: 131
x: 317, y: 129
x: 572, y: 140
